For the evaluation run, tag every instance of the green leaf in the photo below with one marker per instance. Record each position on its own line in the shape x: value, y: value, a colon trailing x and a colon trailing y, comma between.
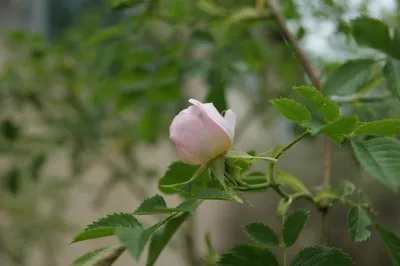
x: 396, y: 43
x: 291, y: 10
x: 211, y: 8
x: 247, y: 255
x: 391, y: 73
x: 10, y: 130
x: 178, y: 172
x: 105, y: 256
x: 326, y: 108
x: 187, y: 206
x: 161, y: 238
x: 343, y: 125
x: 293, y: 182
x: 94, y: 233
x: 135, y: 239
x: 293, y: 226
x: 200, y: 36
x: 321, y: 256
x: 103, y: 35
x: 292, y: 110
x: 313, y: 126
x: 213, y: 194
x: 337, y: 138
x: 373, y: 33
x: 357, y: 221
x: 283, y: 207
x: 194, y: 67
x: 107, y: 226
x: 245, y: 13
x: 388, y: 127
x: 116, y: 220
x: 349, y: 77
x: 216, y: 91
x: 381, y: 158
x: 12, y: 180
x: 127, y: 99
x: 262, y: 234
x: 37, y: 165
x: 153, y: 205
x: 149, y: 124
x: 392, y: 244
x: 301, y: 33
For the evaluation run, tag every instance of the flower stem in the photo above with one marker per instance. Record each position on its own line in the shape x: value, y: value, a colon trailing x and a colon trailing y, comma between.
x: 325, y: 227
x: 190, y: 245
x: 271, y: 171
x: 284, y: 256
x: 288, y: 146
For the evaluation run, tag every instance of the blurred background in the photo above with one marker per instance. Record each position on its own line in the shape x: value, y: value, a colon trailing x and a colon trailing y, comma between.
x: 87, y: 96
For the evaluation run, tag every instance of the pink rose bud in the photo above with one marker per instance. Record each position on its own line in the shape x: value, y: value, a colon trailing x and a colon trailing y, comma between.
x: 200, y: 133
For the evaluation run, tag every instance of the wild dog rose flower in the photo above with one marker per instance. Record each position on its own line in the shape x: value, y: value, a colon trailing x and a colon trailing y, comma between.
x: 200, y: 133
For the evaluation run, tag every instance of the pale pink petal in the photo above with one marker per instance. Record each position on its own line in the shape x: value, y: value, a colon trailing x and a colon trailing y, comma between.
x: 230, y: 118
x: 198, y: 139
x: 215, y: 116
x: 187, y: 157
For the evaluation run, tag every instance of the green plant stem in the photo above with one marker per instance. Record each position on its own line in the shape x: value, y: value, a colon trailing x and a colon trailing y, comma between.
x: 288, y: 146
x: 272, y: 183
x: 265, y: 185
x: 325, y: 226
x: 276, y: 13
x: 284, y: 256
x: 281, y: 193
x: 190, y: 243
x: 271, y: 172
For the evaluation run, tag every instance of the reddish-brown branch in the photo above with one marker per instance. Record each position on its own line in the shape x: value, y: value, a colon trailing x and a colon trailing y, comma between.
x: 274, y: 8
x: 277, y: 14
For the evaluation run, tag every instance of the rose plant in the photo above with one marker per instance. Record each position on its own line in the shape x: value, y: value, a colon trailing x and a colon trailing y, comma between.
x: 210, y: 169
x: 203, y: 139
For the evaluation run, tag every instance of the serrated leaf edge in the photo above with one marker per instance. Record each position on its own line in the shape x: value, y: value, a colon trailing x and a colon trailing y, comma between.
x: 245, y: 231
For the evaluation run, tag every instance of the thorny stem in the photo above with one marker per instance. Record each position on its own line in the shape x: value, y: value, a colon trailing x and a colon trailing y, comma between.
x: 316, y: 82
